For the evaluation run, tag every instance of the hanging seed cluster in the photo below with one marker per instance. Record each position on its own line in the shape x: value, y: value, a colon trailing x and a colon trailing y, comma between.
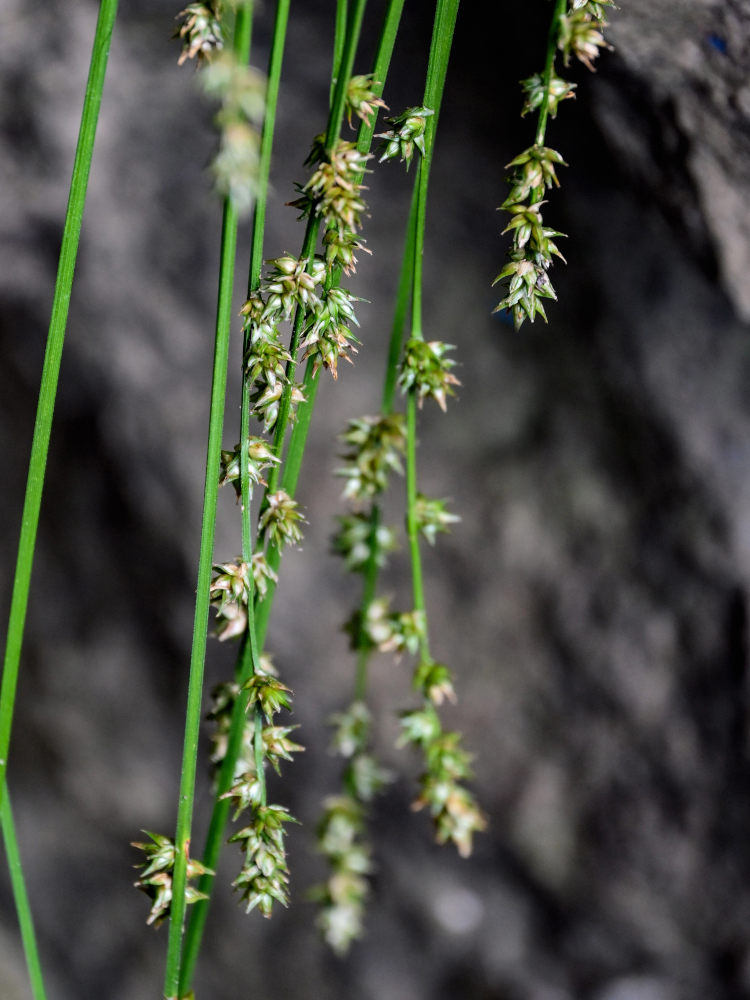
x: 526, y: 281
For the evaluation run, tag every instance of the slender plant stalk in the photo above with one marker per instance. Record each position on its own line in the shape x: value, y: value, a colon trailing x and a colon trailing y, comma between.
x: 410, y: 285
x: 200, y: 626
x: 549, y: 64
x: 249, y: 652
x: 25, y: 921
x: 339, y: 39
x: 341, y: 921
x: 50, y: 374
x: 38, y: 461
x: 298, y: 438
x: 243, y: 27
x: 395, y: 345
x: 282, y: 421
x: 275, y: 62
x: 412, y: 527
x: 345, y: 66
x: 250, y: 658
x: 335, y: 119
x: 403, y: 297
x: 304, y: 412
x: 440, y: 47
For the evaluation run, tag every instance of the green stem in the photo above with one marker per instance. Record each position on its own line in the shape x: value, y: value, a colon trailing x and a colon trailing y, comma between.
x: 292, y: 468
x: 412, y: 527
x: 259, y: 753
x: 38, y: 461
x: 50, y: 374
x: 335, y: 119
x: 383, y: 55
x: 549, y: 65
x: 372, y: 569
x: 440, y: 47
x: 25, y: 921
x: 256, y: 262
x: 285, y: 403
x: 249, y: 656
x: 249, y: 664
x: 345, y: 66
x: 418, y: 250
x: 298, y: 439
x: 369, y: 588
x: 275, y: 61
x: 437, y: 69
x: 200, y: 627
x: 215, y: 833
x: 339, y: 38
x: 403, y: 296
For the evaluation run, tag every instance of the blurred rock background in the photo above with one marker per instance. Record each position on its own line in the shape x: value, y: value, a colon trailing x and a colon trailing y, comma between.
x: 592, y: 601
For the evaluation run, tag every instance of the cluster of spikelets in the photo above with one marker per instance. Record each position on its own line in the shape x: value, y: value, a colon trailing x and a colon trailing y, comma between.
x: 452, y: 806
x: 334, y: 192
x: 264, y: 876
x: 375, y: 447
x: 234, y: 584
x: 342, y: 831
x: 406, y: 134
x: 526, y: 277
x: 156, y: 876
x: 327, y: 316
x: 342, y: 835
x: 426, y: 371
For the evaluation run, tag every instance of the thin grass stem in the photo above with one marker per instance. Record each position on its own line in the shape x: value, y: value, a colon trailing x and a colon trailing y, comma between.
x: 395, y: 346
x: 21, y: 899
x: 37, y: 466
x: 50, y: 374
x: 243, y: 27
x: 369, y: 589
x: 412, y: 527
x: 339, y: 40
x: 248, y: 659
x: 437, y: 68
x: 403, y: 297
x: 200, y: 627
x: 275, y: 61
x: 549, y: 65
x: 333, y: 128
x: 344, y: 67
x: 298, y: 438
x: 446, y: 13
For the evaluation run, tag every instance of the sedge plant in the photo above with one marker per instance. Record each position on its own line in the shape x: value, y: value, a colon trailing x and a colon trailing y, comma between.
x: 300, y: 324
